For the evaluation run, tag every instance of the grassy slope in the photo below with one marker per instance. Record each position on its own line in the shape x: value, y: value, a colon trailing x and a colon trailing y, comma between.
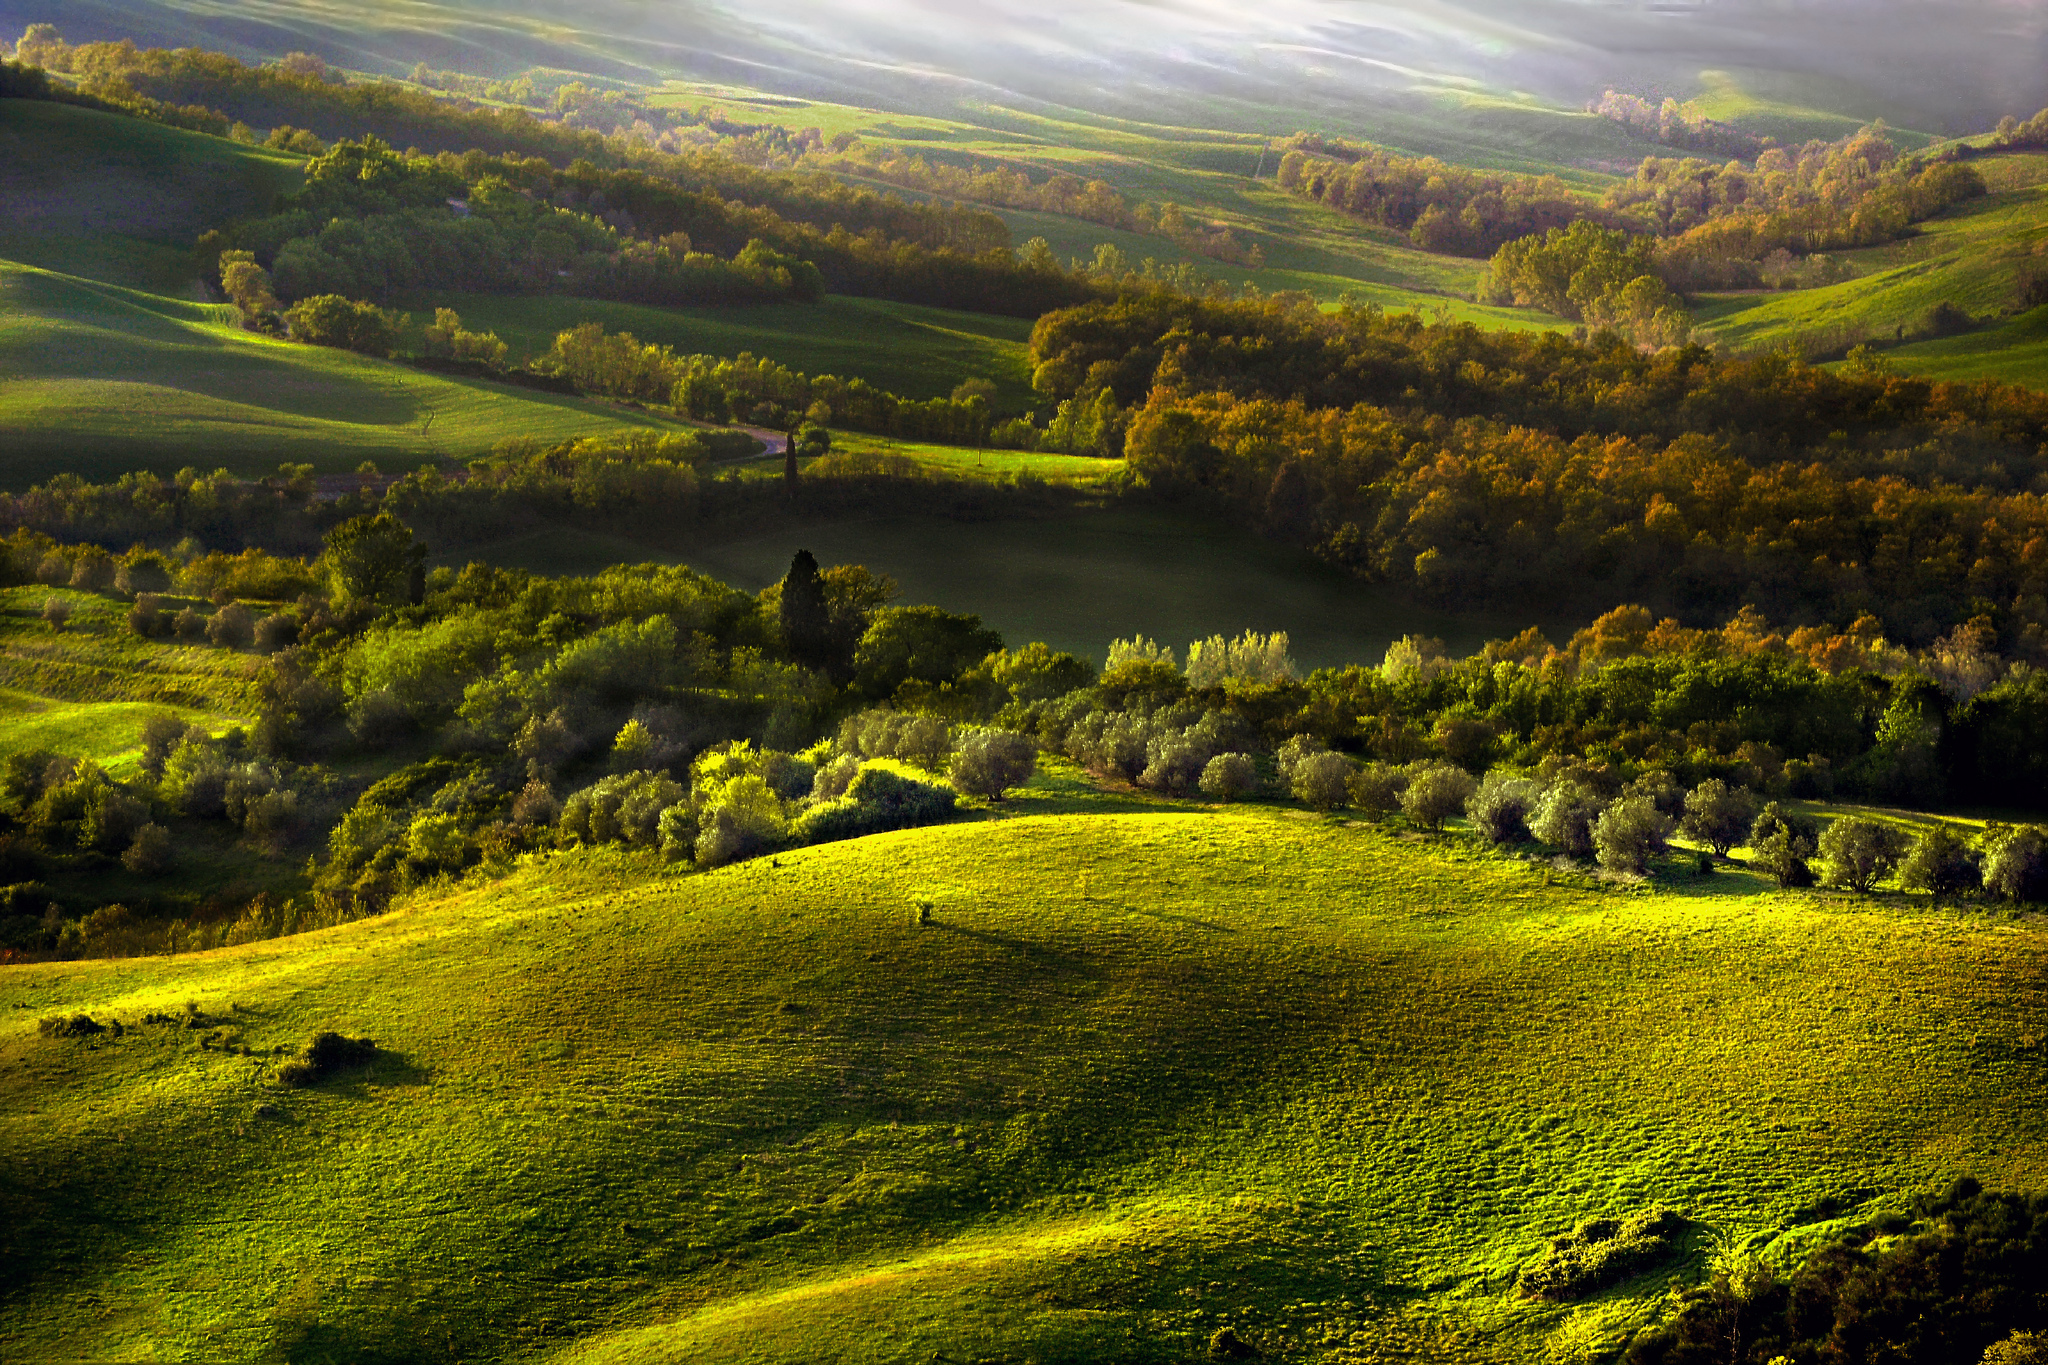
x: 98, y: 379
x: 1971, y: 257
x: 1147, y: 1073
x: 915, y: 351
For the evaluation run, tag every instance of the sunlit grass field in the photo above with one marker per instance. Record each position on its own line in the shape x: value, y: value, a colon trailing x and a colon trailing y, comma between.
x: 1971, y: 257
x: 97, y: 380
x: 1149, y: 1071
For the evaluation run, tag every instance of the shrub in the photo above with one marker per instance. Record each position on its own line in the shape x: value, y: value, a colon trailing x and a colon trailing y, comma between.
x: 145, y: 571
x: 149, y: 853
x: 1600, y: 1252
x: 92, y: 569
x: 1499, y: 809
x: 2016, y: 863
x: 1629, y: 832
x: 56, y: 611
x: 1564, y: 817
x: 188, y: 625
x: 740, y: 818
x: 232, y: 627
x: 1858, y: 853
x: 1940, y: 863
x: 1718, y: 815
x: 990, y: 762
x: 2021, y: 1348
x: 1782, y: 843
x: 927, y: 742
x: 274, y: 632
x: 1376, y: 790
x: 161, y: 733
x: 435, y: 842
x: 834, y: 778
x: 1435, y: 794
x: 323, y: 1057
x: 1229, y: 777
x: 146, y: 617
x: 54, y: 569
x: 378, y: 718
x: 623, y: 808
x: 1322, y: 780
x: 111, y: 819
x: 331, y: 320
x: 535, y: 805
x: 877, y: 800
x: 1662, y: 789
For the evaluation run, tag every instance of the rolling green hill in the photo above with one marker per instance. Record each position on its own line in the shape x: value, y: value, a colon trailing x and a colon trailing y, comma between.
x: 1148, y: 1072
x: 96, y: 379
x: 1971, y: 257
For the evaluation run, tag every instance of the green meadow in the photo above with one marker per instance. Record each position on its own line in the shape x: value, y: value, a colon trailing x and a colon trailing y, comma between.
x: 98, y: 379
x: 1971, y: 257
x: 1149, y: 1071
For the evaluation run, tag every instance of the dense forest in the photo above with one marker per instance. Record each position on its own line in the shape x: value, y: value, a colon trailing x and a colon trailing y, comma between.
x: 1511, y: 467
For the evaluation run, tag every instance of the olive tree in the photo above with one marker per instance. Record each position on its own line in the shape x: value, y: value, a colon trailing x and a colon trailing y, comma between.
x: 1858, y: 853
x: 1718, y: 815
x: 1629, y: 832
x: 1322, y: 780
x: 990, y: 762
x: 1376, y: 790
x: 1500, y: 808
x: 1941, y: 863
x: 1564, y: 817
x: 1435, y: 794
x: 2016, y: 863
x: 1227, y: 777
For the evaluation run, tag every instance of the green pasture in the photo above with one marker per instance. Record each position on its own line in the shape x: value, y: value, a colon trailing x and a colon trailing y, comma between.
x: 123, y: 199
x: 903, y: 347
x: 1058, y: 577
x: 1972, y: 256
x: 1149, y: 1071
x: 84, y: 689
x: 97, y: 379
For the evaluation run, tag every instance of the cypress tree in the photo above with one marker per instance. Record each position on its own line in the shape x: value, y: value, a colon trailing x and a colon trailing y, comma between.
x: 805, y: 620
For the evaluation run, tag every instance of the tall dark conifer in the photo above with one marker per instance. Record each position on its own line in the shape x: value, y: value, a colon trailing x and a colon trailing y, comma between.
x: 805, y: 620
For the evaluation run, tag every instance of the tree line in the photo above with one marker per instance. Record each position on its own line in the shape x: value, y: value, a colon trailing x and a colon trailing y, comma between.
x: 1482, y: 466
x: 659, y: 709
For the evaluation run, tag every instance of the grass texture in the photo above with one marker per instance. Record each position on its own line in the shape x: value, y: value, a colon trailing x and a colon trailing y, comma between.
x: 1148, y: 1072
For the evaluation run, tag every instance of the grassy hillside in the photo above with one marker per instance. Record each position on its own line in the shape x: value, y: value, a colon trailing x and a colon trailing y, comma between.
x: 1211, y: 1069
x: 120, y: 199
x: 1971, y: 257
x: 97, y: 379
x: 915, y: 351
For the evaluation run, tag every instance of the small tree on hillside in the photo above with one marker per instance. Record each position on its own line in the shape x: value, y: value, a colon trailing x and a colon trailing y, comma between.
x: 56, y: 611
x: 1435, y: 794
x: 989, y: 763
x: 1629, y: 833
x: 1858, y: 853
x: 1718, y: 815
x: 1940, y: 863
x: 373, y: 559
x: 1322, y: 781
x: 2016, y: 863
x: 1229, y: 777
x: 1500, y: 808
x: 346, y: 324
x: 1564, y: 818
x: 1376, y: 790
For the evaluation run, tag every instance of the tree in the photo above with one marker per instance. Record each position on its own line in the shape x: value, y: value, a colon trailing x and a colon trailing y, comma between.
x: 1322, y: 780
x: 1858, y: 853
x: 989, y: 763
x: 1500, y: 808
x: 248, y: 287
x: 1629, y: 832
x: 922, y: 644
x: 1940, y: 863
x: 1227, y: 777
x: 346, y: 324
x: 56, y: 611
x: 802, y: 615
x: 1718, y: 815
x: 1564, y: 817
x: 150, y: 853
x: 1435, y: 794
x: 373, y: 559
x: 2016, y: 863
x: 1376, y: 790
x: 2021, y: 1348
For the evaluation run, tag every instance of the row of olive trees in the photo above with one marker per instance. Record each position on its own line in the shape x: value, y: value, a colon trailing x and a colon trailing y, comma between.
x: 1623, y: 832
